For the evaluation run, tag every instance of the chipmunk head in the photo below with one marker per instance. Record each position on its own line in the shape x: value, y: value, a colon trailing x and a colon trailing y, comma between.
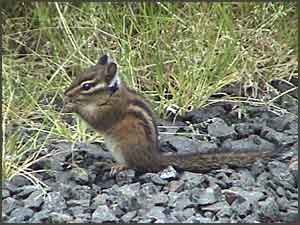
x: 93, y: 87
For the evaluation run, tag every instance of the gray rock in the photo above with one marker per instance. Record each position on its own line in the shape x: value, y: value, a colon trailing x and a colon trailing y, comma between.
x: 54, y: 202
x: 175, y: 186
x: 160, y: 199
x: 130, y: 203
x: 156, y: 213
x: 252, y: 218
x: 218, y: 128
x: 192, y: 180
x: 205, y: 196
x: 282, y: 123
x: 56, y: 217
x: 125, y: 177
x: 234, y: 193
x: 257, y: 168
x: 126, y: 218
x: 281, y: 174
x: 279, y: 138
x: 80, y: 175
x: 203, y: 114
x: 220, y: 179
x: 25, y: 191
x: 9, y: 204
x: 77, y: 210
x: 5, y: 193
x: 20, y: 215
x: 153, y: 177
x: 247, y: 129
x: 40, y: 217
x: 80, y: 202
x: 182, y: 145
x: 269, y: 209
x: 100, y: 199
x: 198, y: 219
x: 253, y: 143
x: 82, y: 218
x: 168, y: 173
x: 293, y: 167
x: 290, y: 216
x: 103, y: 214
x: 34, y: 200
x: 19, y: 181
x: 10, y: 187
x: 180, y: 201
x: 242, y: 208
x: 243, y: 178
x: 182, y: 215
x: 149, y: 189
x: 283, y: 203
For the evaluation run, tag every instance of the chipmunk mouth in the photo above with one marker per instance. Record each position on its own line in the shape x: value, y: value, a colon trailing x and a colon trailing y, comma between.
x: 68, y: 106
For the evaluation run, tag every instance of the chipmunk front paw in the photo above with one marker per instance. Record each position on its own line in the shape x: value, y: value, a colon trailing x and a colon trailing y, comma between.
x: 116, y: 169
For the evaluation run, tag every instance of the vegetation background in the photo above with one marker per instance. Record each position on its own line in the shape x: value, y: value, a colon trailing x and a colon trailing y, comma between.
x: 176, y: 54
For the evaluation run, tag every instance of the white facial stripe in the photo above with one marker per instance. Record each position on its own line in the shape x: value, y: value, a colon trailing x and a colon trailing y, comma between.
x: 88, y: 81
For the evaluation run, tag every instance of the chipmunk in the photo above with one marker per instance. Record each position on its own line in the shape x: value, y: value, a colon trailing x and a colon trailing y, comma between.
x: 126, y: 120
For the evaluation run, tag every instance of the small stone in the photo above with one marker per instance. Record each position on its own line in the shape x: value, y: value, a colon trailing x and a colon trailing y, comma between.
x: 218, y: 128
x: 293, y: 167
x: 40, y: 217
x: 198, y: 219
x: 153, y: 177
x: 238, y: 193
x: 160, y: 199
x: 25, y: 191
x: 181, y: 144
x: 128, y: 216
x: 281, y: 174
x: 125, y: 177
x: 56, y: 217
x: 279, y: 138
x: 156, y: 212
x: 80, y: 175
x: 5, y: 193
x: 103, y: 214
x: 34, y: 200
x: 21, y: 214
x: 247, y: 129
x: 55, y: 202
x: 179, y: 201
x: 257, y: 168
x: 20, y: 181
x: 168, y: 173
x: 192, y: 180
x: 176, y: 186
x: 9, y: 204
x: 253, y: 143
x: 269, y: 209
x: 283, y: 203
x: 291, y: 216
x: 243, y: 179
x: 205, y: 196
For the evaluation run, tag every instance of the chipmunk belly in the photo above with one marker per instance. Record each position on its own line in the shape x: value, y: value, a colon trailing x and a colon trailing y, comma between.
x: 114, y: 149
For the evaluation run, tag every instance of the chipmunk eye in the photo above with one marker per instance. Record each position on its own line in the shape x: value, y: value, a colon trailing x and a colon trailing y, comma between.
x: 87, y: 86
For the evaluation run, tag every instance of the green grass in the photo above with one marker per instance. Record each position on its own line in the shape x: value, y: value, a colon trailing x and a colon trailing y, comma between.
x: 174, y: 53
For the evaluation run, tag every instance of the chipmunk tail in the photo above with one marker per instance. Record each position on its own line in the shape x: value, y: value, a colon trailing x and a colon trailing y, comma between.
x: 197, y: 162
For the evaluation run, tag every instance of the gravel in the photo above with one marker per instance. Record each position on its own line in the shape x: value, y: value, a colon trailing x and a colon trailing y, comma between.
x: 266, y: 191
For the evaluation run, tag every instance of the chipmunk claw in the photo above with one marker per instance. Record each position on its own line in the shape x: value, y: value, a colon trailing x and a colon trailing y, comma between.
x: 116, y: 169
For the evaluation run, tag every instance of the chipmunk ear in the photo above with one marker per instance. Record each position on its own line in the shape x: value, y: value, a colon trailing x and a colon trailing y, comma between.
x: 111, y: 72
x: 103, y: 60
